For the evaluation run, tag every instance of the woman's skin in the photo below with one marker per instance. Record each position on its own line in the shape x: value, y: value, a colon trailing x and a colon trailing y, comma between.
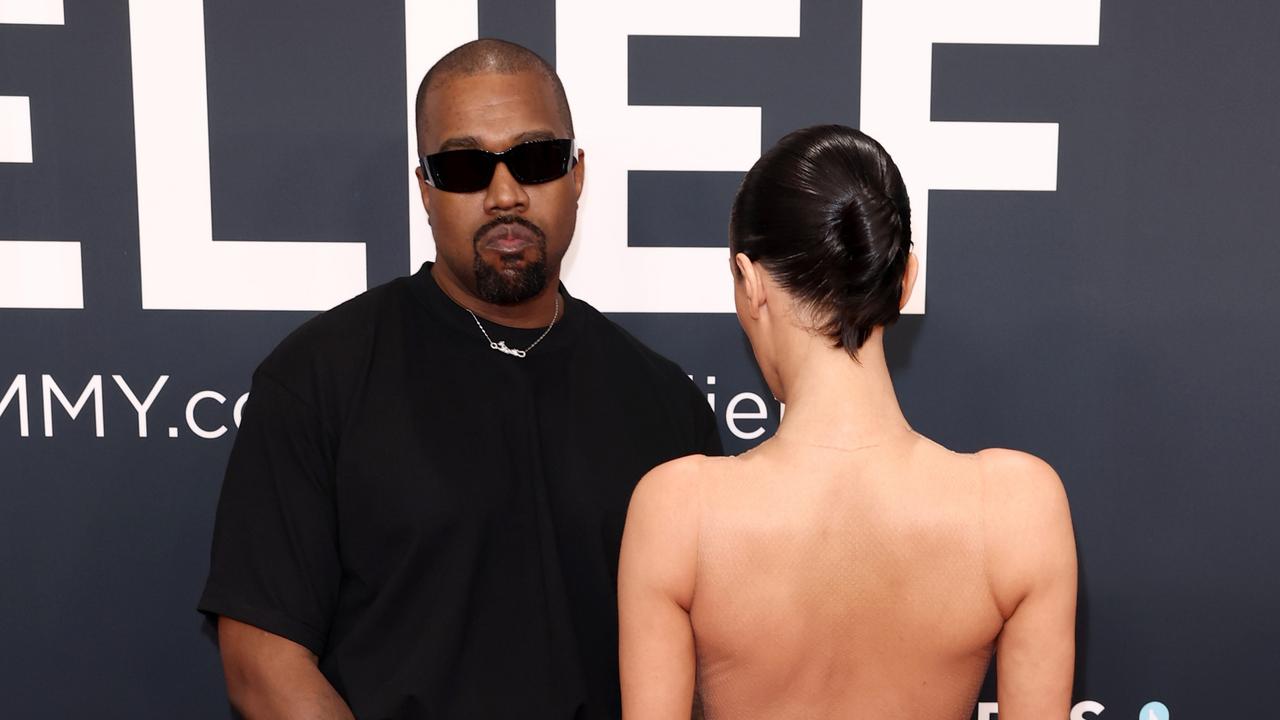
x: 848, y: 567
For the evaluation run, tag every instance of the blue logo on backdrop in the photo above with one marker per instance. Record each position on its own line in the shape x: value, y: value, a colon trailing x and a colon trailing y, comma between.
x: 1154, y: 711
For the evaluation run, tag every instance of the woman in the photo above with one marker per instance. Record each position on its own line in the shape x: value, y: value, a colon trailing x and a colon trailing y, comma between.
x: 848, y: 567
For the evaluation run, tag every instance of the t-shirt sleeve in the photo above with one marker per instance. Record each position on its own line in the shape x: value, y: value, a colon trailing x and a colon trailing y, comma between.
x: 711, y: 443
x: 706, y: 428
x: 274, y: 562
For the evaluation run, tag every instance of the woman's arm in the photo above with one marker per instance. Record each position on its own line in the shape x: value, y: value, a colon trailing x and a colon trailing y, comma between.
x: 655, y: 591
x: 1032, y: 566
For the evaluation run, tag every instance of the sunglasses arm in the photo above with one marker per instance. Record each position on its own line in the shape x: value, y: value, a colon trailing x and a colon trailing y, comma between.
x: 426, y: 171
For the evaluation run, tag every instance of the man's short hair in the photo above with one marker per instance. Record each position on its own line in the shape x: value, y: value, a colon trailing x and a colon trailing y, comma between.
x: 489, y: 55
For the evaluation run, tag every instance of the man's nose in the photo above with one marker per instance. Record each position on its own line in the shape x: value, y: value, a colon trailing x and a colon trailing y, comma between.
x: 505, y: 193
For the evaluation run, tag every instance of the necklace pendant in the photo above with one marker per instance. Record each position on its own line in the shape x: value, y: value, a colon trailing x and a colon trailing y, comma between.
x: 501, y: 346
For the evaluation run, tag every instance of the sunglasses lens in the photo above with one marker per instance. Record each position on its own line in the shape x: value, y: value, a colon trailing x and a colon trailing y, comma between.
x: 539, y: 161
x: 462, y: 170
x: 469, y: 170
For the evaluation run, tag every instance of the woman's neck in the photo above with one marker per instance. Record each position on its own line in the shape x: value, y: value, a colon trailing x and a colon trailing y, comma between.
x: 834, y: 401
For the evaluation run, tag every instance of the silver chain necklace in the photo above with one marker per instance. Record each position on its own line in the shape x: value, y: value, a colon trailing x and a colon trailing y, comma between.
x: 501, y: 345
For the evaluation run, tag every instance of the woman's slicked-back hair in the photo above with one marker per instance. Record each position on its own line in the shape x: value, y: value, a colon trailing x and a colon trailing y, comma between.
x: 825, y: 212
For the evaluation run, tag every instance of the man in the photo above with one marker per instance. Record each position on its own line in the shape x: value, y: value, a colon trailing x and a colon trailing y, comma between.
x: 422, y: 512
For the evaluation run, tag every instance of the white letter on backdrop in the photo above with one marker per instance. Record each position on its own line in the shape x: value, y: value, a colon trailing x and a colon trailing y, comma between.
x: 1088, y: 706
x: 33, y: 274
x: 591, y: 57
x: 431, y: 29
x: 897, y: 55
x: 18, y: 390
x: 93, y: 391
x: 183, y: 267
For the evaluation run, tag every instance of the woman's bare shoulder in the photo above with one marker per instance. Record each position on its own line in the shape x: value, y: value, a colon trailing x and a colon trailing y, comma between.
x: 1020, y: 481
x: 1029, y: 536
x: 683, y: 477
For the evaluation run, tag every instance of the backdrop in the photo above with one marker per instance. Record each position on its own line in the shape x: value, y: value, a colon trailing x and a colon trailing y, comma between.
x: 1095, y: 191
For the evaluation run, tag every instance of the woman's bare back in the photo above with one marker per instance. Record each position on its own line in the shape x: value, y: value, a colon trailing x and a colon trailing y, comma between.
x: 808, y: 581
x: 842, y: 582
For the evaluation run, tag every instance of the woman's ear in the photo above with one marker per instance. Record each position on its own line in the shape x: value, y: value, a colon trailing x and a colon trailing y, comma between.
x: 750, y: 275
x: 909, y: 279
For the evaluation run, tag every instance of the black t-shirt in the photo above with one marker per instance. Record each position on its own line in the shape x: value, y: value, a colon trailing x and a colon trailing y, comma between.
x: 440, y: 522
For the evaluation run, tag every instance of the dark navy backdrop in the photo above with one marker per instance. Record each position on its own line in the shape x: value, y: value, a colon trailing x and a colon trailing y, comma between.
x: 1122, y: 327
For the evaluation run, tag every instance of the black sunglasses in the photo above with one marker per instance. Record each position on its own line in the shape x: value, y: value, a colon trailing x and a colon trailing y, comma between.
x: 471, y: 169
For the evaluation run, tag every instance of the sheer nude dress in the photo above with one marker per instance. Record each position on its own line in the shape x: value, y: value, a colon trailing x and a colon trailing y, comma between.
x: 842, y: 583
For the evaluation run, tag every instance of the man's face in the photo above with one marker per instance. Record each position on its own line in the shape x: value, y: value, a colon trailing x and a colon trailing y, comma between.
x: 504, y: 243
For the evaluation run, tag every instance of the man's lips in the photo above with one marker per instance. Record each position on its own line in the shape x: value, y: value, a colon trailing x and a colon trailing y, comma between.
x: 508, y: 239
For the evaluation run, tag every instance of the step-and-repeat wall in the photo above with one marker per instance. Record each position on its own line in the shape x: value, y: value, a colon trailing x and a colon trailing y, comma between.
x: 1095, y: 191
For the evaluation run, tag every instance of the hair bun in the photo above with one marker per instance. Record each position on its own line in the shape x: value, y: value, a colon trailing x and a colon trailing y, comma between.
x: 825, y: 211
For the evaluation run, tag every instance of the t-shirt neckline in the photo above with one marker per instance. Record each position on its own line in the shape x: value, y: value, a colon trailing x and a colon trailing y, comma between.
x: 458, y: 319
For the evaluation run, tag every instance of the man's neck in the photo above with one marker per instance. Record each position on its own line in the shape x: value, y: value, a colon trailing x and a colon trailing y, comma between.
x: 532, y: 313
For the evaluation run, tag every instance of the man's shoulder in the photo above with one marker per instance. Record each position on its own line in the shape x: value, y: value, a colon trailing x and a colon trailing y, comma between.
x: 336, y: 338
x: 652, y: 379
x: 618, y: 341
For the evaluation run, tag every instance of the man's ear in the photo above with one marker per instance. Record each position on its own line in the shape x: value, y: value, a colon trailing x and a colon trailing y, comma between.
x: 579, y: 173
x: 909, y: 279
x: 751, y: 276
x: 424, y: 190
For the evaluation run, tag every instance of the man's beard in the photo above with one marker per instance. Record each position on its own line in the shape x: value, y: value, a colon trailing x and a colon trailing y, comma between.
x: 511, y: 285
